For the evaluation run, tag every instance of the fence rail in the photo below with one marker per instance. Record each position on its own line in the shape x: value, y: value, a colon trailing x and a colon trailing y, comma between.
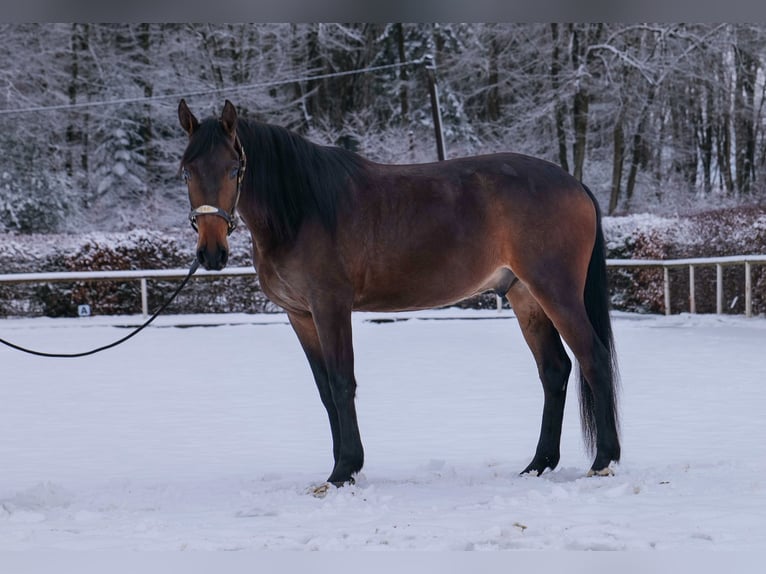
x: 665, y: 264
x: 719, y: 262
x: 128, y: 275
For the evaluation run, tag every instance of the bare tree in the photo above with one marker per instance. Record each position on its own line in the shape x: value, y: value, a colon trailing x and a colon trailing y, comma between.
x: 651, y: 116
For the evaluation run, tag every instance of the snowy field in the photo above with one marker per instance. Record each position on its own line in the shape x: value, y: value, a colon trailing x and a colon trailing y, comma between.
x: 209, y: 437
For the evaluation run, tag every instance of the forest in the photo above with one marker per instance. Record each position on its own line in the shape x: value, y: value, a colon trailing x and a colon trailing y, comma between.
x: 659, y: 118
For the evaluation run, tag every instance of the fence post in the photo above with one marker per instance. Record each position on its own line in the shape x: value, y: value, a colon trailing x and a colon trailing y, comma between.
x: 718, y: 288
x: 748, y: 290
x: 692, y: 298
x: 666, y: 281
x: 435, y: 108
x: 144, y: 298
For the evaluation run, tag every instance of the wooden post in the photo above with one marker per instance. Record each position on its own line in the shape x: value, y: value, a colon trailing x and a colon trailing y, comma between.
x: 666, y: 279
x: 435, y: 108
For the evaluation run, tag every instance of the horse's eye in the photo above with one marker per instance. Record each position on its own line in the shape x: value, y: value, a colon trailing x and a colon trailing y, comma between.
x: 185, y: 175
x: 234, y: 173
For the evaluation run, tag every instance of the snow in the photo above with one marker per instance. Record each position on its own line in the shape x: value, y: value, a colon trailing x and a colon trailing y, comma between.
x: 206, y: 432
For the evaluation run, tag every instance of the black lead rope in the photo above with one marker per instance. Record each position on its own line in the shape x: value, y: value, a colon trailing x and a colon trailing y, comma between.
x: 192, y: 269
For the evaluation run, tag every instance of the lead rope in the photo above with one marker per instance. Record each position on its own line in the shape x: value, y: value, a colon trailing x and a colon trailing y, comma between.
x: 192, y: 270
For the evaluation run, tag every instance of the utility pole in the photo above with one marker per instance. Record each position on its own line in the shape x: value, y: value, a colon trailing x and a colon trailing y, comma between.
x: 435, y: 108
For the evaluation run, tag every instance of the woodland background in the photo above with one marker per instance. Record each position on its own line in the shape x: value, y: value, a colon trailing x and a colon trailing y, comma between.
x: 665, y: 118
x: 664, y: 122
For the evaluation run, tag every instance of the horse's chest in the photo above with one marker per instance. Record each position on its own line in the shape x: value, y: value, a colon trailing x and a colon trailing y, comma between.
x: 280, y: 290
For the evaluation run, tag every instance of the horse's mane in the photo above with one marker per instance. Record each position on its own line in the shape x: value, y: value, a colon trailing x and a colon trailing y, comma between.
x: 293, y: 179
x: 290, y: 178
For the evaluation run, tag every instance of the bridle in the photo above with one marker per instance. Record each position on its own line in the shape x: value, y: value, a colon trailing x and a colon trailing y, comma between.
x: 229, y: 216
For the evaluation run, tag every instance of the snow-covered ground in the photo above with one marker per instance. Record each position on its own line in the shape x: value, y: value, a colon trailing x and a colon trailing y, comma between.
x: 210, y: 437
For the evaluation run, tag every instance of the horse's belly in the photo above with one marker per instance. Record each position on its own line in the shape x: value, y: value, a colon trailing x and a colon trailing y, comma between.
x: 428, y: 291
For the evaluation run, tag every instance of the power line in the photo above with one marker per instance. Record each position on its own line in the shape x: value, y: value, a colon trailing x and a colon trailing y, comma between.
x: 177, y: 95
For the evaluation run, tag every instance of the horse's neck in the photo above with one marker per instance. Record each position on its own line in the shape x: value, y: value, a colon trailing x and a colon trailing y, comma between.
x: 257, y: 223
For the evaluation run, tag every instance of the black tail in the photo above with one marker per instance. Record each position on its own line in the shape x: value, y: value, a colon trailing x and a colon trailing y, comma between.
x: 597, y: 306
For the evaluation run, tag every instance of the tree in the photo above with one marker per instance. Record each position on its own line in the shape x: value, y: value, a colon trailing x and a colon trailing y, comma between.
x: 650, y: 116
x: 747, y: 42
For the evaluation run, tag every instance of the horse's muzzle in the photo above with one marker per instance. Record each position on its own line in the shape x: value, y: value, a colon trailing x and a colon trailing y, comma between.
x: 213, y: 259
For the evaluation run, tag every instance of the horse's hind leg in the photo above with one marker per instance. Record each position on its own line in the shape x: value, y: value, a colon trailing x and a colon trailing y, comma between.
x: 554, y: 367
x: 597, y: 393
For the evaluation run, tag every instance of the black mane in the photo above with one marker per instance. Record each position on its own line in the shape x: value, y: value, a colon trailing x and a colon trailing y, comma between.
x: 293, y: 179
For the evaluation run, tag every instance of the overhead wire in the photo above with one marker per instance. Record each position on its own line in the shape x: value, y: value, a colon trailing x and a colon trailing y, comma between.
x: 177, y: 95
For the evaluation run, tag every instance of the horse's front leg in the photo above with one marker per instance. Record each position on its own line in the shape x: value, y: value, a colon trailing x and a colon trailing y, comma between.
x: 305, y: 329
x: 336, y: 383
x: 333, y: 324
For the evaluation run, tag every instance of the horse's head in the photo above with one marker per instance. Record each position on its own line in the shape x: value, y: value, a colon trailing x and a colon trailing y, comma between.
x: 213, y: 166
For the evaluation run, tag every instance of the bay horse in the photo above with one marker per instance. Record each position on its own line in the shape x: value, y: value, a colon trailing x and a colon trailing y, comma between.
x: 333, y: 232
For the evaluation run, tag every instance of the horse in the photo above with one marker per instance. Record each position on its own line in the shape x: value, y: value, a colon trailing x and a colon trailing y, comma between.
x: 333, y: 232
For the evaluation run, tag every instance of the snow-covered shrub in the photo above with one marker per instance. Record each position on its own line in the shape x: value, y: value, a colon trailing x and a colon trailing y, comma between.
x: 736, y: 231
x: 137, y: 249
x: 725, y: 232
x: 637, y: 289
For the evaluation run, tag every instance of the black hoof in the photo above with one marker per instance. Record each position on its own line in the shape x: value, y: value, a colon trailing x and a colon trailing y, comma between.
x: 531, y: 470
x: 341, y: 478
x: 600, y: 466
x: 540, y: 465
x: 344, y: 472
x: 338, y: 483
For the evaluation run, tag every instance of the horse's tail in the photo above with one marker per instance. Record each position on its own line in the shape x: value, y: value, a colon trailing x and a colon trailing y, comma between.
x: 596, y: 297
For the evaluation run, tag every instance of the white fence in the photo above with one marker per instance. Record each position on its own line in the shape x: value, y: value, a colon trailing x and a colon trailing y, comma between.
x: 747, y: 261
x: 134, y: 275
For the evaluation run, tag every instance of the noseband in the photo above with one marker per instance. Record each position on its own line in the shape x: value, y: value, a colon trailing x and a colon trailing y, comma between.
x: 230, y: 217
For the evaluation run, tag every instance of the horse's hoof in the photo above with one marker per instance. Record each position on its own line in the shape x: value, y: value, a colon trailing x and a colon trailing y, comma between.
x: 540, y: 464
x: 606, y: 471
x: 340, y: 483
x: 321, y: 490
x: 530, y: 472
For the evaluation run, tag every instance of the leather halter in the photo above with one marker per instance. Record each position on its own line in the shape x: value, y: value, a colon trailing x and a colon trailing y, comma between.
x: 230, y: 217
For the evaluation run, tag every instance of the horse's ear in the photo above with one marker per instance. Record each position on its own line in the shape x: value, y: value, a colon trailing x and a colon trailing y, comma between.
x: 188, y: 122
x: 229, y: 118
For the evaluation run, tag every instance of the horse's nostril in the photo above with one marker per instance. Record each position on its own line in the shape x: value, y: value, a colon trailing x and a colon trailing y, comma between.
x: 213, y: 260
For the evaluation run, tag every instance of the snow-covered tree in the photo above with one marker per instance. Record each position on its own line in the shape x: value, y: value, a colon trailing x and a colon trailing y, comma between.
x: 651, y: 116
